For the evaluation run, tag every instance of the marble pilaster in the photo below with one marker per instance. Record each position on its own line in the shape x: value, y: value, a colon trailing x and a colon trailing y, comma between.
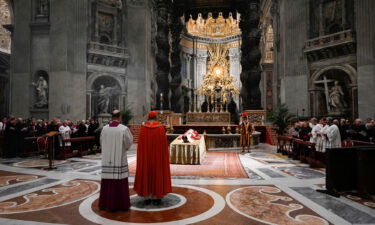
x: 365, y: 31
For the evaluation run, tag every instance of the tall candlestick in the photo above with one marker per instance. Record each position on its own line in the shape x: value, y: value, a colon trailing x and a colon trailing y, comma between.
x: 195, y: 104
x: 199, y: 106
x: 161, y: 102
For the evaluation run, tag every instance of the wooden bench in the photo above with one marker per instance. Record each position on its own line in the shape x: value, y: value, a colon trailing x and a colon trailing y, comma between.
x: 361, y: 143
x: 83, y: 144
x: 284, y: 145
x: 32, y: 146
x: 305, y: 151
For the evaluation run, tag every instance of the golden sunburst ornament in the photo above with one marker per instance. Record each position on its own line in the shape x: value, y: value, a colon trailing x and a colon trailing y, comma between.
x: 218, y: 83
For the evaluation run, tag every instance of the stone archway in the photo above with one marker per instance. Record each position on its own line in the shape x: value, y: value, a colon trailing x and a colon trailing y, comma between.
x: 333, y: 92
x: 105, y: 92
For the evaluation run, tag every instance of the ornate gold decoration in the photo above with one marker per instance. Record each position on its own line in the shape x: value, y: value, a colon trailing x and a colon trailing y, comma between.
x: 268, y: 45
x: 257, y: 117
x: 204, y: 46
x: 214, y: 28
x: 219, y: 119
x: 217, y: 83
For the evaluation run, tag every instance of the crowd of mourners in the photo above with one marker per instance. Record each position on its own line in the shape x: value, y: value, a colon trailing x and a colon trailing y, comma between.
x: 15, y: 130
x: 356, y: 130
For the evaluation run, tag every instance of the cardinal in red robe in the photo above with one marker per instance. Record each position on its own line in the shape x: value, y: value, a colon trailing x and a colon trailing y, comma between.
x: 153, y: 177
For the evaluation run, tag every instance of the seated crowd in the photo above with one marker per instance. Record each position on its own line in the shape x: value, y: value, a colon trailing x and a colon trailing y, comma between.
x: 15, y: 130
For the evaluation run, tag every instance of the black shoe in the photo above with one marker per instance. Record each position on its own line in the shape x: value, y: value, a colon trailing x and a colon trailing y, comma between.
x: 156, y: 201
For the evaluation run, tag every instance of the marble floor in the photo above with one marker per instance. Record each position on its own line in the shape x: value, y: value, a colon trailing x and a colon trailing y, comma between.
x: 277, y: 190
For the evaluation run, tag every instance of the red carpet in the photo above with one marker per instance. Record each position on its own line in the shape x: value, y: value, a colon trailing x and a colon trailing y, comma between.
x: 215, y: 164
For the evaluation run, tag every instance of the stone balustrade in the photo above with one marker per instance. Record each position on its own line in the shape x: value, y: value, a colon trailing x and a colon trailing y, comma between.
x: 109, y: 55
x: 346, y: 36
x: 330, y: 46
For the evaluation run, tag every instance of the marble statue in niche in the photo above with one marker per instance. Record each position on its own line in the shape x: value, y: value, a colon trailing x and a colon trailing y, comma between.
x: 104, y: 97
x: 337, y: 98
x: 41, y: 87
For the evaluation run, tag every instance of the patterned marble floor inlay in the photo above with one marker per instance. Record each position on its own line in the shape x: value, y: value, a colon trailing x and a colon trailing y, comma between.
x: 74, y: 166
x: 35, y: 163
x: 52, y: 197
x: 271, y: 173
x: 92, y: 169
x: 268, y: 158
x: 355, y: 197
x: 170, y: 201
x: 25, y: 187
x: 341, y: 209
x: 209, y: 204
x: 268, y: 204
x: 8, y: 180
x: 93, y: 157
x: 252, y: 175
x: 301, y: 172
x: 230, y: 188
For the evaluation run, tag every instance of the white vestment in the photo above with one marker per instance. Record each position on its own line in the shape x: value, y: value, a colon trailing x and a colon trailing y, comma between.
x: 2, y: 127
x: 334, y: 137
x: 314, y: 132
x: 321, y: 140
x: 115, y: 142
x: 65, y: 134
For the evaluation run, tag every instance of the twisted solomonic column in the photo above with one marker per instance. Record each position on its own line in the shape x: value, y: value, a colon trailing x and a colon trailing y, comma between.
x: 176, y: 27
x: 162, y: 55
x: 251, y: 55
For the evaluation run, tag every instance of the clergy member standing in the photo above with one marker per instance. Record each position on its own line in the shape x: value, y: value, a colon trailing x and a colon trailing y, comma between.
x: 153, y: 177
x: 115, y: 140
x: 332, y: 134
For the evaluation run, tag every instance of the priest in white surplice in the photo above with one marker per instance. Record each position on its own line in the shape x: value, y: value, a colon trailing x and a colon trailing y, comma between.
x: 115, y: 140
x: 332, y: 135
x: 65, y: 132
x: 315, y: 129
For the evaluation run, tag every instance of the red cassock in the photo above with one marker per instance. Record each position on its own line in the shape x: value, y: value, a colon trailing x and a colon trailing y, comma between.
x: 153, y: 176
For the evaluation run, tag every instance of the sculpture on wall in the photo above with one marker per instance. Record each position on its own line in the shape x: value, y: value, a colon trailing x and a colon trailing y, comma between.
x: 41, y: 87
x: 105, y: 94
x: 336, y: 98
x: 214, y: 27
